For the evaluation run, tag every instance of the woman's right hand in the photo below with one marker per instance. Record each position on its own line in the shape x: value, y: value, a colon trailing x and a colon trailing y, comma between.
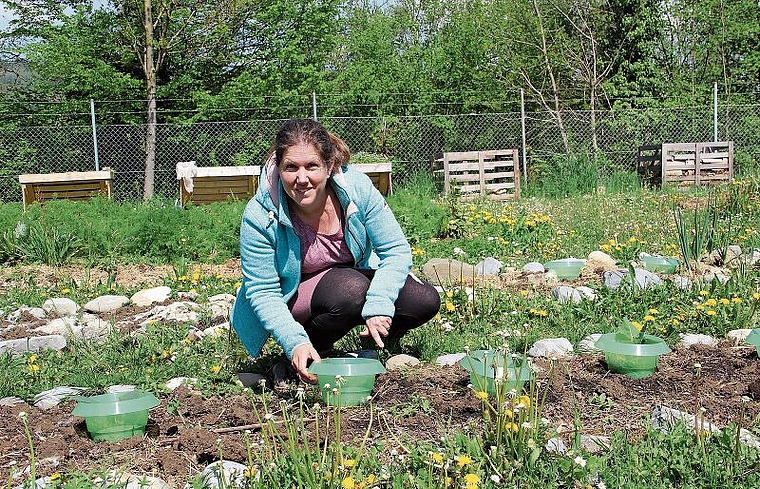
x: 300, y: 361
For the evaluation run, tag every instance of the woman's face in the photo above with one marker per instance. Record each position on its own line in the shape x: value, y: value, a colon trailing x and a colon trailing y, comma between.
x: 304, y: 176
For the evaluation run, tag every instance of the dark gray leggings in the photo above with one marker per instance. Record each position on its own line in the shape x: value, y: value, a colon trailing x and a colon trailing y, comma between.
x: 338, y: 298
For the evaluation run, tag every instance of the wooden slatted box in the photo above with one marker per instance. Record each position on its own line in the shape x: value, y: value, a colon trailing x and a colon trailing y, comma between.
x: 219, y: 183
x: 380, y: 174
x: 75, y: 185
x: 493, y: 174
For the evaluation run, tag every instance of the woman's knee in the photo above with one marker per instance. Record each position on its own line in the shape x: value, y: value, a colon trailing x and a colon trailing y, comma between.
x: 341, y: 291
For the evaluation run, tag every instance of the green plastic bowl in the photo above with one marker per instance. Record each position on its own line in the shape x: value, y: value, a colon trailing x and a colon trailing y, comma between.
x: 113, y: 417
x: 493, y: 370
x: 754, y: 339
x: 357, y: 379
x: 655, y: 263
x: 566, y: 267
x: 637, y: 360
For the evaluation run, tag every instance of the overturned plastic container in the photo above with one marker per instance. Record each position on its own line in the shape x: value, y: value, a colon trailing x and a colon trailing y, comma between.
x: 656, y: 263
x: 493, y: 370
x: 114, y: 417
x: 754, y: 339
x: 637, y: 360
x: 346, y: 381
x: 567, y: 268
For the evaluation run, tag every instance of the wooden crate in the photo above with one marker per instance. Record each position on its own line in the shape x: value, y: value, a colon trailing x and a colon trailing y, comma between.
x: 380, y: 174
x: 687, y: 164
x: 493, y: 174
x: 74, y: 185
x: 219, y: 183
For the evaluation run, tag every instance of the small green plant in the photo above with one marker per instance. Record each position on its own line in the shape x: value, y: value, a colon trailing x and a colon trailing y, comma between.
x: 631, y: 331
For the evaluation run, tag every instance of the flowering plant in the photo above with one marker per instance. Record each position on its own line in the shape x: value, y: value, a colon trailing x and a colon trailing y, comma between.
x: 631, y: 331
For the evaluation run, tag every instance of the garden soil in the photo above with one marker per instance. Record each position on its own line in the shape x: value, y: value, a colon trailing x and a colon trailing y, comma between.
x: 187, y: 431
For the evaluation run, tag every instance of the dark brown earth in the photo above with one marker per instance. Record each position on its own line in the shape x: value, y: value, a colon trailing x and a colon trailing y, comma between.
x: 185, y: 432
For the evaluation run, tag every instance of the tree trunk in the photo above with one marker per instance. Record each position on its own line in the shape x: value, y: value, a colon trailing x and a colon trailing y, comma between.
x: 150, y: 79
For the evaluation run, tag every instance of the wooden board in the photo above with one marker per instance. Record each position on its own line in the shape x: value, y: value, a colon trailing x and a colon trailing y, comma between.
x: 219, y: 183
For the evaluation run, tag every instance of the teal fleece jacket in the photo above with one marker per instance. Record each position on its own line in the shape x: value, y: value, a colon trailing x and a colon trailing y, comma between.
x: 270, y: 255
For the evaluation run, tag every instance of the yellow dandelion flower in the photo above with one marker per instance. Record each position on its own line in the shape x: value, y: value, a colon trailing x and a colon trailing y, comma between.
x: 513, y: 427
x: 711, y: 302
x: 32, y: 358
x: 524, y: 401
x: 704, y: 292
x: 699, y: 307
x: 675, y: 322
x: 216, y: 369
x: 482, y: 395
x: 54, y: 476
x: 238, y: 284
x: 348, y: 463
x: 711, y: 312
x: 509, y: 414
x: 471, y: 481
x: 450, y: 306
x: 724, y: 301
x: 524, y: 293
x: 348, y: 483
x: 196, y: 276
x: 605, y: 247
x: 418, y: 252
x: 34, y: 368
x: 756, y: 295
x: 637, y: 325
x: 632, y: 239
x: 182, y: 278
x: 166, y: 354
x: 652, y: 310
x: 463, y: 460
x: 447, y: 481
x: 65, y: 291
x: 612, y: 242
x: 736, y: 300
x: 437, y: 458
x: 250, y: 472
x: 449, y: 294
x: 371, y: 479
x: 648, y: 318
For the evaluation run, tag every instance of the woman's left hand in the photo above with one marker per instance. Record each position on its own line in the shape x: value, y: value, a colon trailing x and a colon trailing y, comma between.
x: 377, y: 327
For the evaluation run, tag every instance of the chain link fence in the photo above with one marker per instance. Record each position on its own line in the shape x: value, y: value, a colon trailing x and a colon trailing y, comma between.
x: 413, y: 143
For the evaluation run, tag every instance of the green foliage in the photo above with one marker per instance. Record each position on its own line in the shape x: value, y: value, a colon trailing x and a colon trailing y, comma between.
x: 562, y: 176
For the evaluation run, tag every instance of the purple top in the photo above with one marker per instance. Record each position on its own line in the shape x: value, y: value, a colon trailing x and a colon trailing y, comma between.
x: 319, y: 253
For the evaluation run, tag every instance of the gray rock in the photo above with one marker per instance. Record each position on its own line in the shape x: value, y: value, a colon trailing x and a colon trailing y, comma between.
x: 586, y: 292
x: 36, y: 312
x: 682, y: 283
x: 551, y: 347
x: 488, y: 266
x: 218, y: 330
x: 555, y: 445
x: 150, y: 296
x: 60, y: 306
x: 602, y: 258
x: 125, y: 480
x: 691, y: 339
x: 643, y: 279
x: 588, y: 344
x: 11, y: 401
x: 595, y: 443
x: 185, y: 295
x: 716, y: 275
x: 753, y: 258
x: 51, y: 398
x: 91, y: 327
x: 222, y: 474
x: 443, y: 271
x: 665, y: 418
x: 249, y: 379
x: 449, y: 359
x: 533, y: 267
x: 34, y: 343
x: 397, y: 362
x: 738, y: 336
x: 106, y: 303
x: 565, y: 294
x: 65, y: 326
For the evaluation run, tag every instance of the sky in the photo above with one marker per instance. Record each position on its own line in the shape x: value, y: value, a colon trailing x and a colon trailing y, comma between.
x: 5, y: 16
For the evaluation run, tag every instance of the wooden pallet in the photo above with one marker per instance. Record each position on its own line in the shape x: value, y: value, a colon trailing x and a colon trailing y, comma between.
x: 41, y: 187
x: 687, y: 164
x: 219, y: 183
x: 493, y: 174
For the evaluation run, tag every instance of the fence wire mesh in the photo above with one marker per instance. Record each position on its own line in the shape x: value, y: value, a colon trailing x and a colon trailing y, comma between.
x: 413, y: 143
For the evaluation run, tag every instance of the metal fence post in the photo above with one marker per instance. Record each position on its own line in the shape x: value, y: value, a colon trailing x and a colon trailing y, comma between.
x: 524, y: 145
x: 94, y: 134
x: 715, y: 112
x: 314, y: 104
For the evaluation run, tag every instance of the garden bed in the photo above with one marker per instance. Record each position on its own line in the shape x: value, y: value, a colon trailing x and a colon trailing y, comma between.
x: 421, y: 403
